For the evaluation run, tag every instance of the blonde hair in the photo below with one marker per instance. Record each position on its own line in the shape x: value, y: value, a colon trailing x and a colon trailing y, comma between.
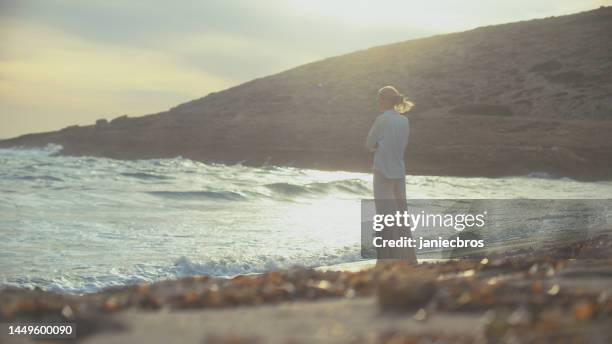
x: 398, y: 100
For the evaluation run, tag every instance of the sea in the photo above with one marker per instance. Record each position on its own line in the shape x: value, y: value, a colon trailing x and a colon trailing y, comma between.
x: 81, y: 224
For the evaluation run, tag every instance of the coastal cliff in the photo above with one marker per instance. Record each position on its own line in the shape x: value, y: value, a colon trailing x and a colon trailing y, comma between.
x: 511, y: 99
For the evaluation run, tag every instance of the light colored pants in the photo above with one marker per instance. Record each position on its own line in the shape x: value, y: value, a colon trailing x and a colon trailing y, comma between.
x: 390, y: 197
x: 389, y: 190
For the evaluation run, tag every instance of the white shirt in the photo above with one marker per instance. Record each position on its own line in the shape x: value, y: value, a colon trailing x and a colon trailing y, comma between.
x: 388, y: 139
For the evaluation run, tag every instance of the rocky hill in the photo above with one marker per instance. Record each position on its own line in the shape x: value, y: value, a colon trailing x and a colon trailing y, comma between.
x: 499, y: 100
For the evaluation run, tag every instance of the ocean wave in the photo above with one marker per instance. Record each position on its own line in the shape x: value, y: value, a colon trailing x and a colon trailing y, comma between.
x: 538, y: 174
x: 144, y: 175
x: 226, y: 266
x: 288, y: 189
x: 234, y: 265
x: 26, y: 152
x: 198, y: 195
x: 352, y: 186
x: 47, y: 178
x: 74, y: 284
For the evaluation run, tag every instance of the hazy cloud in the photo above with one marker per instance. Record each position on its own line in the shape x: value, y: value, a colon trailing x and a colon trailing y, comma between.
x: 71, y: 61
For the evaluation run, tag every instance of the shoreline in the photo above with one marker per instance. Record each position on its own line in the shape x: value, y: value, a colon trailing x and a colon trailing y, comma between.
x: 507, y: 248
x: 518, y: 293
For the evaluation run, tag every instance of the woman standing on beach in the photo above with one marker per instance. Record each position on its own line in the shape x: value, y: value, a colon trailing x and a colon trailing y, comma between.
x: 388, y: 138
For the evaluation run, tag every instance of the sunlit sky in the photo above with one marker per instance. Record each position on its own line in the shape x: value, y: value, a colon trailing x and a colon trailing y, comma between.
x: 65, y: 62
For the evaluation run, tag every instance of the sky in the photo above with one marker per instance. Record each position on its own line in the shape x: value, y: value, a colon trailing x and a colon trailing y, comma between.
x: 65, y: 62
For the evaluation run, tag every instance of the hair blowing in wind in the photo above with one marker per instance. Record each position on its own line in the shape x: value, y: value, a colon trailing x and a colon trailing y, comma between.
x: 400, y: 103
